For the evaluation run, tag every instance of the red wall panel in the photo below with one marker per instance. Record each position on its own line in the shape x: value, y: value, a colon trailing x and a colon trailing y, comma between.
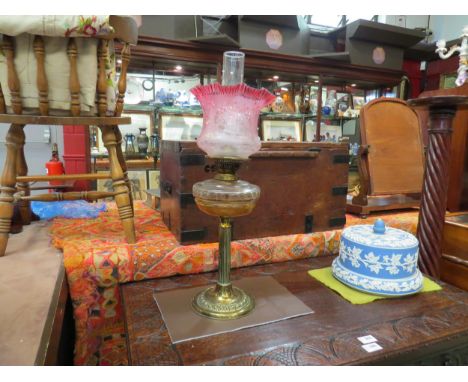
x: 438, y: 67
x: 413, y: 72
x: 76, y: 153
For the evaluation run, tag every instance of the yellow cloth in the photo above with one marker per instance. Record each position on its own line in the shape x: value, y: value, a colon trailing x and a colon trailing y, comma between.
x: 325, y: 276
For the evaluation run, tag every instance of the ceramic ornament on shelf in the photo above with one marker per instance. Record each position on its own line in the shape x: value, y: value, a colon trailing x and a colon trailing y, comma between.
x: 142, y: 140
x: 462, y: 50
x: 379, y: 260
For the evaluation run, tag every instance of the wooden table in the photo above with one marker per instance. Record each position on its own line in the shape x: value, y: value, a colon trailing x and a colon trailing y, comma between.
x: 36, y: 315
x: 428, y: 328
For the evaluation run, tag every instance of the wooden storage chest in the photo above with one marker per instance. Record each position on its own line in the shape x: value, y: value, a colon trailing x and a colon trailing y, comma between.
x: 303, y: 190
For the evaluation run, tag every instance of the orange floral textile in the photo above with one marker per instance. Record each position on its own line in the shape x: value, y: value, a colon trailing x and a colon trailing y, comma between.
x: 97, y: 259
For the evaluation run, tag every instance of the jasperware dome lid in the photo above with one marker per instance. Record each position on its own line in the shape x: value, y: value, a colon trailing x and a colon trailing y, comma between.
x: 380, y: 236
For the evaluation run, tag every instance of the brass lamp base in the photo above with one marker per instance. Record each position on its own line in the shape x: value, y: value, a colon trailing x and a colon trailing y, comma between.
x: 223, y: 302
x: 227, y: 197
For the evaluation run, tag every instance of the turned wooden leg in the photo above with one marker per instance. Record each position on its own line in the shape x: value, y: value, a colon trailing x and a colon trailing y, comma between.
x: 118, y: 182
x: 122, y: 162
x: 22, y: 170
x: 7, y: 183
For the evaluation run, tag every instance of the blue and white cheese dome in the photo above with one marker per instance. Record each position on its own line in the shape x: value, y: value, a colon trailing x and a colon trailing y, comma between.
x: 379, y: 260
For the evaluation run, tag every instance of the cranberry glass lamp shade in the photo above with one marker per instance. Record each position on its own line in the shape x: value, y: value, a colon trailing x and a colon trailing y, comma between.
x: 230, y: 119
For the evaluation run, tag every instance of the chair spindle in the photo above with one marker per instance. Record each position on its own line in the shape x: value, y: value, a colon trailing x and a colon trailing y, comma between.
x: 122, y: 85
x: 42, y: 85
x: 13, y: 80
x: 77, y: 195
x: 75, y: 105
x: 103, y: 52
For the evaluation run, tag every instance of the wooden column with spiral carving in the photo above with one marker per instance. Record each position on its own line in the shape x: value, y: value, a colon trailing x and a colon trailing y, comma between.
x: 434, y: 192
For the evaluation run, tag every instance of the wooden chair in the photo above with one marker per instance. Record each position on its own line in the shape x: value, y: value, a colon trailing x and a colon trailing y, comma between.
x: 390, y: 159
x: 14, y: 183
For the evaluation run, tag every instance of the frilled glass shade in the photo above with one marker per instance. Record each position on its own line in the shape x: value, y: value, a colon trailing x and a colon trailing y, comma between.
x: 230, y: 119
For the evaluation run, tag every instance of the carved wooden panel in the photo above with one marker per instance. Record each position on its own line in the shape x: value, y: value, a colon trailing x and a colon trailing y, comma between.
x: 410, y: 329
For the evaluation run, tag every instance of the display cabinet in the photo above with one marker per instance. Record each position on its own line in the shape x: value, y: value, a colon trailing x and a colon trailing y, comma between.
x: 350, y: 130
x: 332, y: 129
x: 142, y: 180
x: 180, y: 126
x: 309, y: 127
x: 279, y: 127
x: 142, y: 125
x: 138, y: 147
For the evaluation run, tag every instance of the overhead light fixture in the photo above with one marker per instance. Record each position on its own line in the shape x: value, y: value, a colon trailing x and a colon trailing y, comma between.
x: 353, y: 85
x: 119, y: 61
x: 275, y: 77
x: 178, y: 68
x: 284, y: 89
x: 316, y: 81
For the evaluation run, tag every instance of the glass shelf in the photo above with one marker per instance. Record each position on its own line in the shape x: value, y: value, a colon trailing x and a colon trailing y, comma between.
x: 195, y: 110
x: 128, y: 156
x: 283, y: 116
x: 329, y: 118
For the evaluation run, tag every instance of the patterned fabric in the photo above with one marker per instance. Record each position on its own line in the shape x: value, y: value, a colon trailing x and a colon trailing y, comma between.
x: 56, y: 25
x: 89, y: 26
x: 97, y: 259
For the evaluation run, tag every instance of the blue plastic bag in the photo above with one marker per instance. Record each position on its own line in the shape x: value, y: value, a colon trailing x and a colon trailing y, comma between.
x: 75, y: 209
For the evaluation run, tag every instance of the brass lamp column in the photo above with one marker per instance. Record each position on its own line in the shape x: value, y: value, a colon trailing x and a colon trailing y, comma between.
x: 227, y: 197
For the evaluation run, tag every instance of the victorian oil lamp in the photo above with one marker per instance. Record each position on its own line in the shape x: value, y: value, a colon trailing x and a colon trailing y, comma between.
x: 229, y: 136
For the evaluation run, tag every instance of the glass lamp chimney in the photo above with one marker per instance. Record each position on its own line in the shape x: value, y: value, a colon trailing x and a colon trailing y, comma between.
x: 233, y: 68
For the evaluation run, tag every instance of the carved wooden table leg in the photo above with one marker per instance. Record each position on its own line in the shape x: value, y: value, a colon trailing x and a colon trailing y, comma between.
x: 118, y: 183
x: 434, y: 192
x: 22, y: 170
x: 8, y: 181
x: 122, y: 162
